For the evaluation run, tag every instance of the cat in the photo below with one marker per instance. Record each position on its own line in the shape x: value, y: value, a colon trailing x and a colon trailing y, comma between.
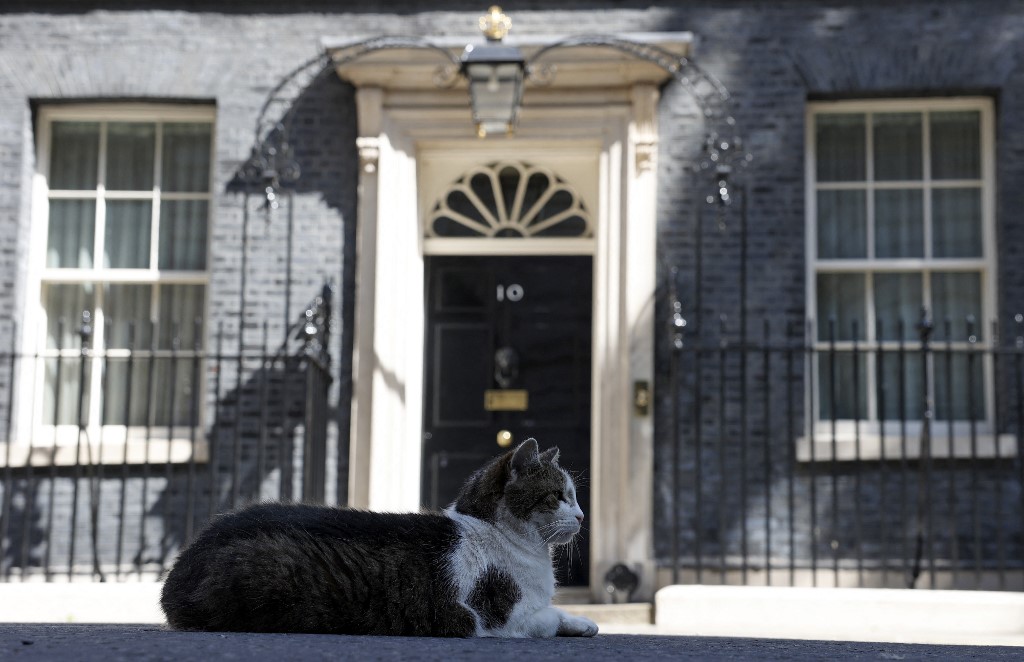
x: 482, y: 567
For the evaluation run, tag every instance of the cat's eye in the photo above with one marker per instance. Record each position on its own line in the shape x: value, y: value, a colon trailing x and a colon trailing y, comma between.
x: 551, y: 499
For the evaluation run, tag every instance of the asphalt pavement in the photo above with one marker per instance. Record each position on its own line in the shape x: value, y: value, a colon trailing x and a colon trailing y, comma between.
x: 113, y: 643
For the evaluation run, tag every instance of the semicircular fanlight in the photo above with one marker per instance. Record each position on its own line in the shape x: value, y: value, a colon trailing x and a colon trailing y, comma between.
x: 509, y: 199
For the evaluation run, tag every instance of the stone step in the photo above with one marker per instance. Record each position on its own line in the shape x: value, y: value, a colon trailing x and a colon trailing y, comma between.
x: 633, y: 613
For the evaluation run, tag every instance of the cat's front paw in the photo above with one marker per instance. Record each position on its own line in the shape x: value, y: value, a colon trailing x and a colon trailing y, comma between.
x: 576, y: 626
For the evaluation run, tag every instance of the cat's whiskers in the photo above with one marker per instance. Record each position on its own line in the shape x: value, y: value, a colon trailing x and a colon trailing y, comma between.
x: 568, y: 554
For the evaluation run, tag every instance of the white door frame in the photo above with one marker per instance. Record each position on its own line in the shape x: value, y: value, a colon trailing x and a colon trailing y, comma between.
x: 402, y: 131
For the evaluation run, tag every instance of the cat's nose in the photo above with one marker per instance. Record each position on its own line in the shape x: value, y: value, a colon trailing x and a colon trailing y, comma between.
x: 579, y: 519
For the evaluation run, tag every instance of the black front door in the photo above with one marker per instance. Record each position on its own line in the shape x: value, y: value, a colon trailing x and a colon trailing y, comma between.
x: 508, y: 358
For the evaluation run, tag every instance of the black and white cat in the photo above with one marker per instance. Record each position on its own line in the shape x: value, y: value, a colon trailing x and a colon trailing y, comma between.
x: 480, y: 568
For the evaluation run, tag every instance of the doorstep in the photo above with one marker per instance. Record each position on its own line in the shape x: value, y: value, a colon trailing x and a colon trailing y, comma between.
x: 631, y: 613
x: 615, y: 618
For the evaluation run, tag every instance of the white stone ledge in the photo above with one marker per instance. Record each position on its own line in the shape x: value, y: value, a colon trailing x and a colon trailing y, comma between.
x: 134, y: 451
x: 126, y: 602
x: 850, y: 614
x: 873, y: 446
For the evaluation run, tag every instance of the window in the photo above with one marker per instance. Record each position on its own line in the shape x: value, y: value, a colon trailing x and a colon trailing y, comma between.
x: 900, y: 217
x: 121, y: 232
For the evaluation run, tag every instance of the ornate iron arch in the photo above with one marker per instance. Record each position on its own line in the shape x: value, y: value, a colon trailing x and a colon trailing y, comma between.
x: 272, y: 165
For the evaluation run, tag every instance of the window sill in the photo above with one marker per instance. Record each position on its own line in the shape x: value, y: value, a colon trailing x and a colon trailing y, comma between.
x: 845, y: 447
x: 133, y: 452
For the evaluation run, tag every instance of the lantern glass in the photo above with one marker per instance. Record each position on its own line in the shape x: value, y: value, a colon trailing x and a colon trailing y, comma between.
x: 495, y: 87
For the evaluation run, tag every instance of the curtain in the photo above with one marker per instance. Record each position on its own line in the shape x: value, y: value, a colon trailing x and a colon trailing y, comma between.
x: 170, y: 386
x: 70, y: 234
x: 956, y: 145
x: 840, y: 147
x: 897, y: 146
x: 127, y: 236
x: 64, y: 306
x: 956, y: 222
x: 899, y: 223
x: 183, y: 234
x: 74, y: 156
x: 841, y: 306
x: 186, y: 157
x: 130, y: 153
x: 956, y: 299
x: 898, y: 298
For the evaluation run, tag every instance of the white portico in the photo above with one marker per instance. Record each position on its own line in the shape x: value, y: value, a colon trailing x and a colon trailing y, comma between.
x: 595, y: 125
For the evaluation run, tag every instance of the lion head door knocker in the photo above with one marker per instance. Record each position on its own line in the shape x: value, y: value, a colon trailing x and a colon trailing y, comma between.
x: 506, y: 366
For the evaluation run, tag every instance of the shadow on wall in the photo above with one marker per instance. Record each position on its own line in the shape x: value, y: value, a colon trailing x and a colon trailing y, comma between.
x: 262, y: 445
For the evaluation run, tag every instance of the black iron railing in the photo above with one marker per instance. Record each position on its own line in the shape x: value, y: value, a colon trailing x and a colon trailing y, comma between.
x: 800, y: 459
x: 112, y: 458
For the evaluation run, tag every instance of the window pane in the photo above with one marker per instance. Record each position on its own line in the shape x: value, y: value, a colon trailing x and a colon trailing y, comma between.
x: 183, y: 234
x: 899, y: 386
x: 74, y: 155
x: 130, y: 149
x: 898, y: 299
x: 959, y: 389
x: 126, y: 240
x: 842, y: 224
x: 126, y: 378
x: 162, y: 387
x: 840, y: 151
x: 172, y: 380
x: 126, y: 306
x: 956, y: 222
x: 845, y: 393
x: 65, y: 381
x: 186, y: 157
x: 899, y: 223
x: 897, y: 146
x: 840, y: 302
x: 72, y: 229
x: 956, y: 145
x: 64, y: 304
x: 180, y: 305
x: 955, y: 297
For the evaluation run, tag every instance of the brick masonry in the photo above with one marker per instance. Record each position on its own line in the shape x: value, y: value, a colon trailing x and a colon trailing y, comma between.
x: 772, y: 56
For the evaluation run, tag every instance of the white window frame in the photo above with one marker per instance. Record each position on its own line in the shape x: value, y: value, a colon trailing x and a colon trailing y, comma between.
x: 869, y: 434
x: 108, y: 443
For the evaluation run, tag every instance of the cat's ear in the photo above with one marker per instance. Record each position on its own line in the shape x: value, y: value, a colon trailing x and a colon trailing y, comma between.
x: 525, y: 455
x: 550, y: 455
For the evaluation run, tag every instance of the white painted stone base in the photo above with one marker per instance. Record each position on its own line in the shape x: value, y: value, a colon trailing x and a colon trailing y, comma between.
x: 850, y: 614
x: 36, y: 602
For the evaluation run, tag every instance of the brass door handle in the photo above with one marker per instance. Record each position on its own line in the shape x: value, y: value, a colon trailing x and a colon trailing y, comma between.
x: 504, y: 438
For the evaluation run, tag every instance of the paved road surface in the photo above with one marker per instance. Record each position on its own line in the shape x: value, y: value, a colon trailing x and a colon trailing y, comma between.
x: 113, y: 643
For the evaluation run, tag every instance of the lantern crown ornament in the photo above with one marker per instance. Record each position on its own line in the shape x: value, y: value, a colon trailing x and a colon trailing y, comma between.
x: 495, y: 24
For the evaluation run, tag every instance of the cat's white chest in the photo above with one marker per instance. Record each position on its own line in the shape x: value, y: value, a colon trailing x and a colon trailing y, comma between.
x: 484, y: 548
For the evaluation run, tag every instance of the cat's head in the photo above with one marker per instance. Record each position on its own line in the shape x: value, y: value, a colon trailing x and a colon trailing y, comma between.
x: 527, y: 489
